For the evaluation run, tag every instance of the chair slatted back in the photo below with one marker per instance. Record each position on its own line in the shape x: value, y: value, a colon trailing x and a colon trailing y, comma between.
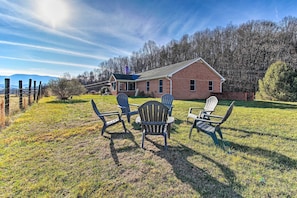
x: 167, y: 100
x: 153, y: 116
x: 123, y: 101
x: 211, y: 103
x: 228, y: 113
x: 96, y: 110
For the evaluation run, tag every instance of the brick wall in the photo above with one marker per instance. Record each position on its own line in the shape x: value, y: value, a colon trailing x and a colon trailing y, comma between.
x: 202, y: 74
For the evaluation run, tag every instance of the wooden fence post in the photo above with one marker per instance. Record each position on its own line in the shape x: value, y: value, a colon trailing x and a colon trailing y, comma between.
x: 29, y: 92
x: 7, y: 86
x: 21, y: 94
x: 34, y: 91
x: 39, y: 91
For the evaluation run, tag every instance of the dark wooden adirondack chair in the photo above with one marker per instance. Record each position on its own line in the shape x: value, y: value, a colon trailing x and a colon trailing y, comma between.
x: 153, y: 115
x: 209, y: 107
x: 123, y: 103
x: 106, y: 123
x: 167, y: 100
x: 212, y: 125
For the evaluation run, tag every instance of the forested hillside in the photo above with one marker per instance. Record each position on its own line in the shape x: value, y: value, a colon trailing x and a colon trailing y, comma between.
x: 241, y: 53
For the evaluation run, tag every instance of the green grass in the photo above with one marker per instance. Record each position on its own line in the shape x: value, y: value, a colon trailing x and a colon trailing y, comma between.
x: 54, y: 149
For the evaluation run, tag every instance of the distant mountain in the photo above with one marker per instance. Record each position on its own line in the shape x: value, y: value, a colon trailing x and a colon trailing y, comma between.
x: 14, y: 80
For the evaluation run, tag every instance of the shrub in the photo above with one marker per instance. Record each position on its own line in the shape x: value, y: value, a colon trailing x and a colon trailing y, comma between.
x: 279, y: 83
x: 64, y: 88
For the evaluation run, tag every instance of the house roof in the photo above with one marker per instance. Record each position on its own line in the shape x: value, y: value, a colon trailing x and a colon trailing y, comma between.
x: 163, y: 72
x: 168, y: 71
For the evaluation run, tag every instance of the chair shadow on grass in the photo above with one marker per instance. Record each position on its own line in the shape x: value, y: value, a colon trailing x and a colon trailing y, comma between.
x: 249, y: 133
x: 278, y: 160
x: 120, y: 135
x: 261, y: 104
x: 202, y: 182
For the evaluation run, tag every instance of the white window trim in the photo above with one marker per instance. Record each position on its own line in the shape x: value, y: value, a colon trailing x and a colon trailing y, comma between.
x: 161, y: 86
x: 147, y: 86
x: 194, y: 85
x: 211, y: 85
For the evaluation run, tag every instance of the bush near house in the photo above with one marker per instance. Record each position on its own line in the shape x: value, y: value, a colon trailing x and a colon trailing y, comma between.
x: 279, y: 83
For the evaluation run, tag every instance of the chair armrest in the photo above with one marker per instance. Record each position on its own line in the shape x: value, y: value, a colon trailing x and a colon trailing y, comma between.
x: 122, y: 107
x: 137, y: 105
x: 215, y: 116
x: 208, y: 121
x: 206, y: 111
x: 110, y: 113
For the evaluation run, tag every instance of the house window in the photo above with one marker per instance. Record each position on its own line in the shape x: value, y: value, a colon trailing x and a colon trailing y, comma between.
x: 192, y: 85
x: 160, y: 86
x: 147, y: 86
x: 210, y: 85
x: 131, y: 85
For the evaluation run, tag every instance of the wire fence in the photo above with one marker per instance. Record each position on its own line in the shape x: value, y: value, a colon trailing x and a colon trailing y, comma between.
x: 13, y: 100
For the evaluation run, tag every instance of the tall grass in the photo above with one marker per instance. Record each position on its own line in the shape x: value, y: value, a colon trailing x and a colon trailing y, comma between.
x: 2, y: 113
x: 55, y: 149
x: 14, y: 108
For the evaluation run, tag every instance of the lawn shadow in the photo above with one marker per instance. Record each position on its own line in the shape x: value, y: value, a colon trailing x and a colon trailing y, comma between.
x: 201, y: 181
x: 261, y: 104
x: 249, y: 133
x: 114, y: 151
x: 278, y: 161
x: 70, y: 101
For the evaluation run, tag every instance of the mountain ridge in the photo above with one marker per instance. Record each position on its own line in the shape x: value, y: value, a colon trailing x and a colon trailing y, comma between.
x: 15, y: 78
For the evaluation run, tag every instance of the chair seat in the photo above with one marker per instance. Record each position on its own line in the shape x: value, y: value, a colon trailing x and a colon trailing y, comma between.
x: 205, y: 127
x: 112, y: 122
x: 212, y: 124
x: 191, y: 115
x: 103, y: 116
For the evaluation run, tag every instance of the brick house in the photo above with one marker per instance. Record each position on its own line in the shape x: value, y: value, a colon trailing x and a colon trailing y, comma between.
x: 192, y: 79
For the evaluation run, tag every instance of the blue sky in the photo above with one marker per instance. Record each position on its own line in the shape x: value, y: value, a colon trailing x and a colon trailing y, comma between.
x: 53, y: 37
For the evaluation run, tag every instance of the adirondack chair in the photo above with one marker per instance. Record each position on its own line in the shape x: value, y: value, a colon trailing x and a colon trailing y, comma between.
x: 123, y: 103
x: 167, y: 100
x: 204, y: 113
x: 212, y: 125
x: 106, y: 123
x: 153, y: 115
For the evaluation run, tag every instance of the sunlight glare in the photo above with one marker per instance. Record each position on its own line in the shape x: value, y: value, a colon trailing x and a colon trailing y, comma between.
x: 53, y: 12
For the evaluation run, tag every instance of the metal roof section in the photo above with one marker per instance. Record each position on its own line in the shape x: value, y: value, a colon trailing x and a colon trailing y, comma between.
x: 125, y: 77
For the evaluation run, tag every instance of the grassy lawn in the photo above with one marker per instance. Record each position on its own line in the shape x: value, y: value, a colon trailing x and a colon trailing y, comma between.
x: 54, y: 149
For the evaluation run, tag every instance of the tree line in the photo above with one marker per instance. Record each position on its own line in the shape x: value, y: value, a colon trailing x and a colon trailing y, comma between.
x: 240, y: 53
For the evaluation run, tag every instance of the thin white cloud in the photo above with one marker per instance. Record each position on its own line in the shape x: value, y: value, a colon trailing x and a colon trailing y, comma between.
x: 57, y: 50
x: 50, y: 62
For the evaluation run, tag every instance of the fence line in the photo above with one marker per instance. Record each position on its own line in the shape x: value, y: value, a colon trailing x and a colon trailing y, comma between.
x: 23, y: 101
